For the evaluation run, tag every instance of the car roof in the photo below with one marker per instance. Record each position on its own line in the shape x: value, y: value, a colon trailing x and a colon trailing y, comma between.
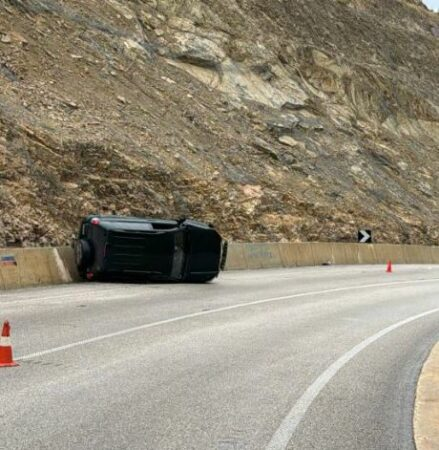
x: 129, y: 223
x: 114, y: 218
x: 114, y: 222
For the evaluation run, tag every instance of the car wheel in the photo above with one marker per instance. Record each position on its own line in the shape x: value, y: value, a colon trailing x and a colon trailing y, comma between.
x: 83, y: 255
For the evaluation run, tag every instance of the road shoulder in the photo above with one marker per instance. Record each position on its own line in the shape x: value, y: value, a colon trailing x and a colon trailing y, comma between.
x: 426, y: 417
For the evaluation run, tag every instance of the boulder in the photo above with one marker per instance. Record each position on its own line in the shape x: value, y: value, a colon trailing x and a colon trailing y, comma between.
x: 283, y: 125
x: 288, y: 140
x: 196, y: 50
x: 294, y: 105
x: 264, y: 147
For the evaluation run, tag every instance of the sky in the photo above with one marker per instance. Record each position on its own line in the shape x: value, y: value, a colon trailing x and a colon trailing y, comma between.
x: 433, y: 4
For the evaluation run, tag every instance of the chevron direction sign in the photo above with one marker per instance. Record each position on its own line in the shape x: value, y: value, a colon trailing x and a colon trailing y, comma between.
x: 365, y: 236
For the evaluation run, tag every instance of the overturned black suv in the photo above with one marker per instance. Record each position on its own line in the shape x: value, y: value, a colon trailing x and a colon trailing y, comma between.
x: 115, y: 247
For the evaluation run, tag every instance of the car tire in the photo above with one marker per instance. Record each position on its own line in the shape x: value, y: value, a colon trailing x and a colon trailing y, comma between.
x: 83, y: 256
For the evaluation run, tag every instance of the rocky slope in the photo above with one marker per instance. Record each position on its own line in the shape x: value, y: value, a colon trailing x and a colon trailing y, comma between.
x: 282, y: 120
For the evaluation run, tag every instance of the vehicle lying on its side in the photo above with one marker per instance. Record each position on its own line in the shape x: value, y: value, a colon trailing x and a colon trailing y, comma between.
x: 115, y: 247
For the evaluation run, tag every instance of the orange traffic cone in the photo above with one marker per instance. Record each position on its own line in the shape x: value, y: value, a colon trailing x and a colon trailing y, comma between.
x: 6, y: 358
x: 389, y: 267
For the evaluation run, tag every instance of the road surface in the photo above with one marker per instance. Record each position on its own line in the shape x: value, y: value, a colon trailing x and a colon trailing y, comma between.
x: 307, y: 358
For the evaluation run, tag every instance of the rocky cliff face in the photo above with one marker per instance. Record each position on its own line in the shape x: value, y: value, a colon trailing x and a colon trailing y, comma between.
x: 282, y: 120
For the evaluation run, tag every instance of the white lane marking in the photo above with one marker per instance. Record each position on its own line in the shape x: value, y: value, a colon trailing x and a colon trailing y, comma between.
x: 72, y: 295
x: 327, y: 270
x: 90, y: 299
x: 214, y: 311
x: 285, y: 432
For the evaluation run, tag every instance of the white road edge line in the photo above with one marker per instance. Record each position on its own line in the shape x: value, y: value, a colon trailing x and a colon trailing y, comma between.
x: 284, y: 434
x: 214, y: 311
x: 113, y: 295
x: 73, y: 294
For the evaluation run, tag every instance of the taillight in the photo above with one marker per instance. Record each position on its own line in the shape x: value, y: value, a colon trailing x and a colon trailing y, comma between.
x: 95, y: 221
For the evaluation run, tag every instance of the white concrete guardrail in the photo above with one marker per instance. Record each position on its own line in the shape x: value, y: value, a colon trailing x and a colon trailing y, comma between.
x: 22, y: 267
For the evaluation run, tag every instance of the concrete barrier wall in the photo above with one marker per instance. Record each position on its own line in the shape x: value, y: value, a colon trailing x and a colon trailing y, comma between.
x: 258, y: 256
x: 44, y: 266
x: 435, y: 254
x: 68, y: 259
x: 262, y: 256
x: 31, y: 267
x: 236, y: 257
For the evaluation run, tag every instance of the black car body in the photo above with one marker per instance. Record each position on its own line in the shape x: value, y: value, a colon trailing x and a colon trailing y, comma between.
x: 113, y: 247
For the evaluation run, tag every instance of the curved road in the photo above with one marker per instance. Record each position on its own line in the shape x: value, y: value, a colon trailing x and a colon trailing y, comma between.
x: 309, y: 358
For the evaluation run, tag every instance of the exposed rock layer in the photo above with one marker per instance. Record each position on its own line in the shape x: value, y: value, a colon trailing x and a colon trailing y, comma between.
x: 286, y: 120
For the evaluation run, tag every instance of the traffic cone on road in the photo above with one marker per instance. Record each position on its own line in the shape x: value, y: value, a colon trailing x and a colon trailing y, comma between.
x: 389, y: 267
x: 6, y: 358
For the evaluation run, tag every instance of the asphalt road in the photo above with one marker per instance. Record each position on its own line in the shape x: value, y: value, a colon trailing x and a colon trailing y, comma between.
x: 315, y: 358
